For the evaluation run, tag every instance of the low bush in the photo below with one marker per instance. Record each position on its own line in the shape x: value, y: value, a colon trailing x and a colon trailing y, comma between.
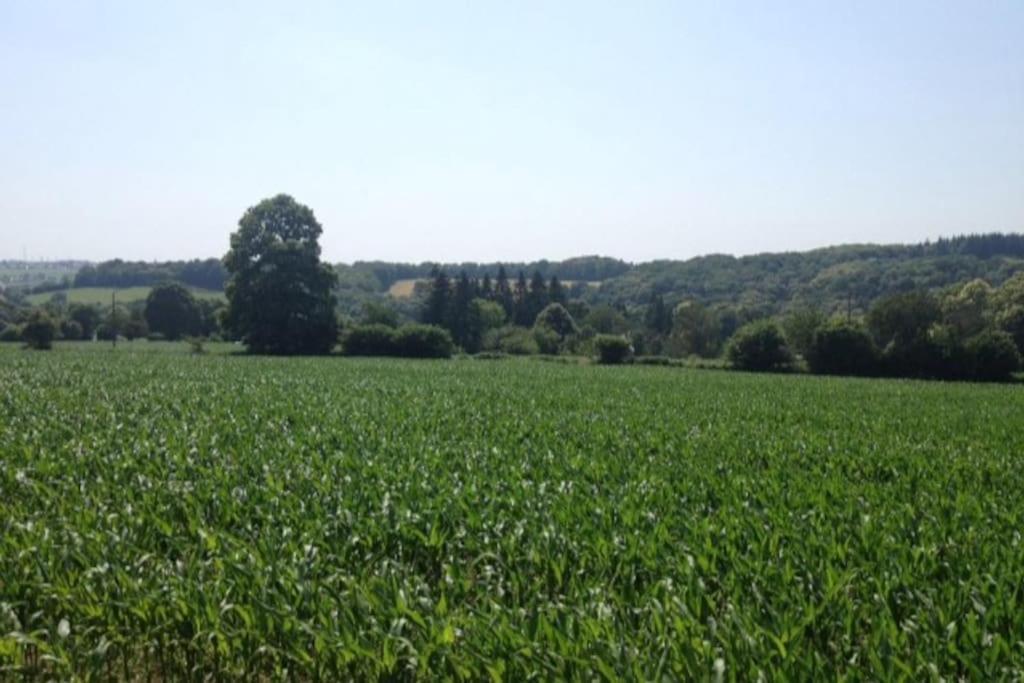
x: 842, y: 349
x: 612, y: 349
x: 759, y: 347
x: 10, y: 333
x: 515, y: 341
x: 548, y: 342
x: 135, y: 328
x: 993, y: 356
x: 928, y: 357
x: 490, y: 355
x: 564, y: 360
x: 71, y: 330
x: 423, y: 341
x: 39, y: 331
x: 409, y: 341
x: 197, y: 345
x: 655, y: 360
x: 104, y: 332
x: 369, y: 340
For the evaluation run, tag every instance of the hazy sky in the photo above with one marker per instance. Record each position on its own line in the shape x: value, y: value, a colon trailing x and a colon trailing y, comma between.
x: 506, y: 131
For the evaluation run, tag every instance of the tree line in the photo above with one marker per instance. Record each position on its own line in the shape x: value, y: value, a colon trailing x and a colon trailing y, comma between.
x: 281, y: 298
x: 971, y: 331
x: 169, y: 312
x: 205, y: 273
x: 581, y: 268
x: 468, y: 307
x: 832, y: 279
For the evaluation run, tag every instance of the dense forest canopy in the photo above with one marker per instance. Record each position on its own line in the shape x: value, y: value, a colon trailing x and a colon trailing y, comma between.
x: 206, y: 273
x: 832, y: 278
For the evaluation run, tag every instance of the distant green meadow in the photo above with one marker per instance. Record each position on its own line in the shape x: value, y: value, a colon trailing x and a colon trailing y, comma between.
x: 169, y: 516
x: 102, y: 295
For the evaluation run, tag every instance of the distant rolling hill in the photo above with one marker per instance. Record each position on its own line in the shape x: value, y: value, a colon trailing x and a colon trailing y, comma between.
x: 840, y: 278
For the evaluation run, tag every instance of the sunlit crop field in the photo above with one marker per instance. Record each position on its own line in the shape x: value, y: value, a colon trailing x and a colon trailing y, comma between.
x: 165, y: 516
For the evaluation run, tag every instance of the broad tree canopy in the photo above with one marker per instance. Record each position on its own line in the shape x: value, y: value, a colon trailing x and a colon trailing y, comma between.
x: 280, y: 296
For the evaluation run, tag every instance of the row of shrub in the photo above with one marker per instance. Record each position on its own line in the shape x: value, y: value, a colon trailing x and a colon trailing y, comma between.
x: 843, y: 348
x: 10, y: 333
x: 410, y: 341
x: 407, y: 341
x: 846, y: 349
x: 38, y: 331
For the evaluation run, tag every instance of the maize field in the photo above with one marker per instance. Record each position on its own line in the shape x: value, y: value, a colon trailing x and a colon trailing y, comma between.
x: 165, y: 516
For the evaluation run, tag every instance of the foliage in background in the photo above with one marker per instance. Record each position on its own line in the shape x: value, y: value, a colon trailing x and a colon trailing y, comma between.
x: 205, y: 274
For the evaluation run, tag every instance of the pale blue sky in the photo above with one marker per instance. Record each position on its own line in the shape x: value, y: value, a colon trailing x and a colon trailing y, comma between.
x: 515, y: 130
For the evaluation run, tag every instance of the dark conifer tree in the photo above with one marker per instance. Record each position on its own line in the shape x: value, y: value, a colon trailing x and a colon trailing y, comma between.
x: 537, y: 298
x: 521, y: 299
x: 459, y: 322
x: 556, y: 293
x: 658, y: 317
x: 503, y: 293
x: 486, y: 288
x: 436, y: 309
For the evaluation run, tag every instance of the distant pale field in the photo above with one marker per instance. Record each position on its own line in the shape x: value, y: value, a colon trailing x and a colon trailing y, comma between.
x: 403, y: 289
x: 101, y: 295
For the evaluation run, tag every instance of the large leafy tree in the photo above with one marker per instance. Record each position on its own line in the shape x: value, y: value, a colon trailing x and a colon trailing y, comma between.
x: 557, y: 319
x: 172, y: 311
x: 89, y: 317
x: 658, y: 316
x: 902, y: 319
x: 966, y: 309
x: 280, y: 296
x: 483, y: 316
x: 696, y: 329
x: 800, y: 326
